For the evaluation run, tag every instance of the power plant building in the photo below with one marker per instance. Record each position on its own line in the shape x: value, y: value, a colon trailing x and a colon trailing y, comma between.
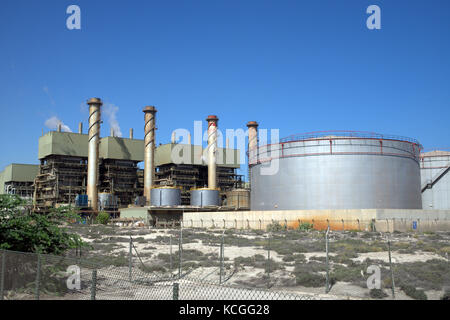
x: 18, y: 179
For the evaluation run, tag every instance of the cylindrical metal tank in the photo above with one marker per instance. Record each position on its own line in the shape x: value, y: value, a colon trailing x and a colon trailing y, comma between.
x: 205, y: 197
x: 165, y: 196
x: 337, y: 170
x: 435, y: 176
x: 238, y: 198
x: 107, y: 201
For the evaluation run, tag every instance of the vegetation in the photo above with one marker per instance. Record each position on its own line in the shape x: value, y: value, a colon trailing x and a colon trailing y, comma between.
x: 413, y: 292
x: 23, y: 230
x: 305, y: 226
x: 102, y: 218
x: 377, y: 294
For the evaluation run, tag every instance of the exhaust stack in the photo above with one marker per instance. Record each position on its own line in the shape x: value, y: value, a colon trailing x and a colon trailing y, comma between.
x: 94, y: 140
x: 149, y: 155
x: 252, y: 146
x: 212, y: 149
x: 131, y: 133
x: 80, y: 128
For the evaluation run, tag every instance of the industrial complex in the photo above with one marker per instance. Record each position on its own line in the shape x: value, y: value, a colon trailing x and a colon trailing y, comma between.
x: 326, y: 176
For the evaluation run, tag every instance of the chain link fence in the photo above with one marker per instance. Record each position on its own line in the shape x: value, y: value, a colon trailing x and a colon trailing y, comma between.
x: 235, y: 264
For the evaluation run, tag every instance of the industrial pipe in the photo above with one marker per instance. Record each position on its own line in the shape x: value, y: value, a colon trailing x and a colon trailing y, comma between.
x: 94, y: 140
x: 80, y: 128
x: 212, y: 149
x: 149, y: 155
x: 131, y: 133
x: 252, y: 146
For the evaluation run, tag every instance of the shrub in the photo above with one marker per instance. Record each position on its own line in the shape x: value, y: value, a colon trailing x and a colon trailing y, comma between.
x: 102, y: 218
x: 275, y: 227
x: 446, y: 295
x: 413, y: 292
x: 308, y: 279
x: 377, y: 294
x: 305, y: 226
x: 21, y: 229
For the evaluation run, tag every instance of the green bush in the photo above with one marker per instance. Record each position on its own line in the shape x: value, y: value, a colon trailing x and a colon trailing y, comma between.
x: 446, y: 295
x: 377, y: 294
x: 102, y: 218
x: 308, y: 279
x: 305, y: 226
x: 21, y: 229
x: 275, y: 227
x: 414, y: 293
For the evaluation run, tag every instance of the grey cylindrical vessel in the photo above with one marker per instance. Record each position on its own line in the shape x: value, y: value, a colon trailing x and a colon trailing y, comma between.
x: 435, y: 175
x: 205, y: 197
x: 165, y: 196
x: 339, y: 170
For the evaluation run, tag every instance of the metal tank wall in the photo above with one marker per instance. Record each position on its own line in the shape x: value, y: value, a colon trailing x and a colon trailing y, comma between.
x: 435, y: 178
x: 165, y: 196
x: 205, y: 197
x: 354, y: 171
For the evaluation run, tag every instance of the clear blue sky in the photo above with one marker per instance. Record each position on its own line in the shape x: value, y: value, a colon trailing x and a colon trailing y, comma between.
x: 298, y: 66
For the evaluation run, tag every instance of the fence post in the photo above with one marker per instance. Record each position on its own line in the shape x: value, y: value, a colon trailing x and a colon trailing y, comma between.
x: 130, y: 261
x: 2, y: 275
x: 180, y: 250
x: 176, y: 290
x: 327, y: 288
x: 38, y: 277
x: 390, y: 268
x: 94, y: 284
x: 268, y: 262
x: 221, y: 257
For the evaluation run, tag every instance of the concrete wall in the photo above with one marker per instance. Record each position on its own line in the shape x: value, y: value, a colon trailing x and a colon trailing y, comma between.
x: 382, y: 220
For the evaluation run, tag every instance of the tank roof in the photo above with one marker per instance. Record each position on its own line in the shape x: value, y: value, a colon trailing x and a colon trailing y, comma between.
x: 435, y: 153
x: 340, y: 134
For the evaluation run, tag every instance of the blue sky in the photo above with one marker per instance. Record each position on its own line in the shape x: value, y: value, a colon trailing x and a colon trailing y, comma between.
x: 299, y: 66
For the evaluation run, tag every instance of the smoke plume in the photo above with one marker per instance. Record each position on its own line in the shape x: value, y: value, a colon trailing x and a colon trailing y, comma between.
x: 109, y: 111
x: 53, y: 122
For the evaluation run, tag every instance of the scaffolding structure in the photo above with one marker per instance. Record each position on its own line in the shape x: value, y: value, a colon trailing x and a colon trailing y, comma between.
x: 189, y: 176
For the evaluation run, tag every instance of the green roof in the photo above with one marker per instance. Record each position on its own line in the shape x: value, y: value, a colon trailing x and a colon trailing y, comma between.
x: 75, y: 144
x: 18, y: 173
x: 179, y: 153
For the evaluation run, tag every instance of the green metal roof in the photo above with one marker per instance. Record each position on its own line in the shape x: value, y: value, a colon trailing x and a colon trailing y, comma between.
x: 18, y: 173
x: 75, y: 144
x: 179, y: 153
x: 122, y: 149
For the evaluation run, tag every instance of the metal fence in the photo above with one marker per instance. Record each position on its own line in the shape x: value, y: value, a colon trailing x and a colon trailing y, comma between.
x: 239, y: 264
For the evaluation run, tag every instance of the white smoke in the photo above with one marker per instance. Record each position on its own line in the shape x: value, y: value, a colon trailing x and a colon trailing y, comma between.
x: 53, y: 122
x: 109, y: 111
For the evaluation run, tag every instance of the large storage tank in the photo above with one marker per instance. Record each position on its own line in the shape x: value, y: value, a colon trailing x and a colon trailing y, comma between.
x: 435, y: 175
x: 337, y: 170
x: 165, y: 196
x: 203, y: 197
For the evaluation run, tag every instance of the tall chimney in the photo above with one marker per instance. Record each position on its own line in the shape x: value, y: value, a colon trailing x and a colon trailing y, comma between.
x: 252, y: 146
x: 174, y: 137
x: 94, y: 140
x: 189, y: 139
x: 80, y: 128
x: 59, y: 127
x: 149, y: 155
x: 111, y: 132
x: 212, y: 148
x: 227, y: 143
x: 131, y: 133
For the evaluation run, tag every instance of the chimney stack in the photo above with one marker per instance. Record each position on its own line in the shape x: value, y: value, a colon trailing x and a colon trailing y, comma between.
x: 252, y: 146
x: 212, y: 149
x: 111, y: 132
x: 174, y: 137
x: 94, y: 140
x: 80, y: 128
x: 189, y: 139
x: 149, y: 155
x: 59, y: 127
x: 131, y: 133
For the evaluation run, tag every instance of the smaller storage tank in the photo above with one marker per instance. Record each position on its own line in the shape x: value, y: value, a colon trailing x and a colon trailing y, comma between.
x: 107, y: 201
x: 205, y: 197
x: 165, y: 196
x: 238, y: 198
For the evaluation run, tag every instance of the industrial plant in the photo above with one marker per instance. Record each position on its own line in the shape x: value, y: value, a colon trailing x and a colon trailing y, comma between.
x: 327, y: 176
